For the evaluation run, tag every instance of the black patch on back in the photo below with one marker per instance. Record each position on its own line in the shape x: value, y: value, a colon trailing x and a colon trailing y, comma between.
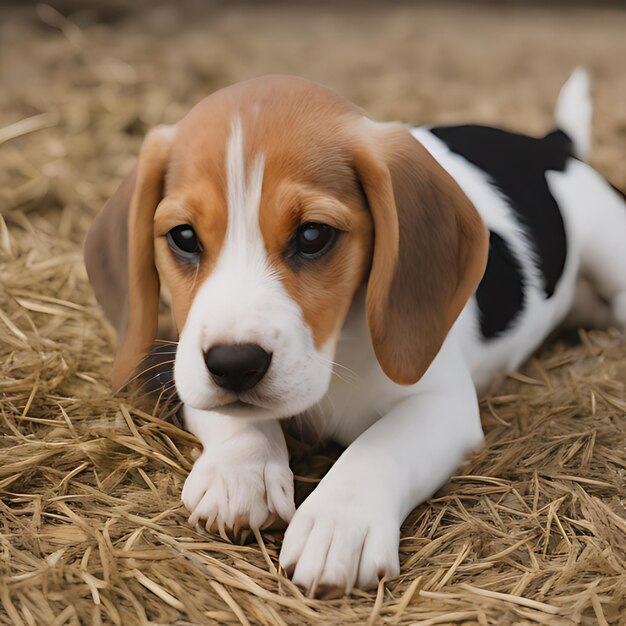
x: 517, y: 165
x: 500, y: 294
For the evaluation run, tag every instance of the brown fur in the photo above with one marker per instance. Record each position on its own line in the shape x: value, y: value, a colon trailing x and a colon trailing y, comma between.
x: 143, y: 279
x: 203, y: 206
x: 106, y: 254
x: 427, y: 254
x: 119, y: 256
x: 324, y: 287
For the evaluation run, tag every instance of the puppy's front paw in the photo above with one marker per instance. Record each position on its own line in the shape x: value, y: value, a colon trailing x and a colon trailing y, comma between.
x: 229, y: 492
x: 331, y: 547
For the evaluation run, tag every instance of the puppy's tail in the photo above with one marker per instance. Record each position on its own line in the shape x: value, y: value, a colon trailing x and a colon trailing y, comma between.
x: 573, y: 112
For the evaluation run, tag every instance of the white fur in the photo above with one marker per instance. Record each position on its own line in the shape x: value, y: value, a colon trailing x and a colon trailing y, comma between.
x: 243, y: 474
x: 597, y: 213
x: 402, y: 447
x: 574, y: 110
x: 244, y: 301
x: 540, y: 315
x: 403, y: 443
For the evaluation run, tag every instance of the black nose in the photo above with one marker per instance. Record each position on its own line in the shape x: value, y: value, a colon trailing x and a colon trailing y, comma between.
x: 237, y: 367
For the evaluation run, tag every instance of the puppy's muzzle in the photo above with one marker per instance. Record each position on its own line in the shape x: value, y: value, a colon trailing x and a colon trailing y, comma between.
x: 237, y: 367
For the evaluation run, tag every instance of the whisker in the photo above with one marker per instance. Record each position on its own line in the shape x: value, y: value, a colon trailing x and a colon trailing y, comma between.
x: 148, y: 380
x: 334, y: 364
x: 168, y: 387
x: 159, y: 353
x: 167, y: 413
x: 165, y: 390
x: 344, y: 380
x: 139, y: 396
x: 136, y: 376
x: 349, y: 381
x: 338, y: 365
x: 343, y: 367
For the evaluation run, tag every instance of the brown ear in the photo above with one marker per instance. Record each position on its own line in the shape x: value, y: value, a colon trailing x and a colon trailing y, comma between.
x: 430, y: 249
x: 119, y: 255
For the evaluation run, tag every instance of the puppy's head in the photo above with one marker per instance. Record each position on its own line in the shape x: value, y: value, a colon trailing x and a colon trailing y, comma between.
x: 262, y: 212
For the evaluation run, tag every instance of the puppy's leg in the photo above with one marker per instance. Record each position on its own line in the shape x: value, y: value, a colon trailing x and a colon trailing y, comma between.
x: 604, y: 252
x: 347, y: 531
x: 598, y: 215
x: 242, y: 478
x: 588, y: 309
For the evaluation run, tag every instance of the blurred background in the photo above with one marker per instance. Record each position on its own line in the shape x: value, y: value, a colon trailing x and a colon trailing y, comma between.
x: 97, y: 74
x: 80, y: 84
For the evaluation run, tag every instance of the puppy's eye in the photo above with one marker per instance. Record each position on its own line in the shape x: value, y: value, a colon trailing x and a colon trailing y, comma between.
x: 184, y: 242
x: 313, y: 240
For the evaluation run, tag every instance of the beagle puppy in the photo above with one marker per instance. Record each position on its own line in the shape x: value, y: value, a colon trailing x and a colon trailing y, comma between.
x: 361, y: 278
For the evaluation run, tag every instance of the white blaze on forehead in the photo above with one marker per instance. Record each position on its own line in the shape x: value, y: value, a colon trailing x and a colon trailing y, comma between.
x: 243, y: 301
x: 243, y: 196
x: 242, y: 283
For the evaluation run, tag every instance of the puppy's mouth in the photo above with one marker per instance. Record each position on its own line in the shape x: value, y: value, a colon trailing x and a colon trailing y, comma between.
x: 239, y: 405
x: 242, y: 409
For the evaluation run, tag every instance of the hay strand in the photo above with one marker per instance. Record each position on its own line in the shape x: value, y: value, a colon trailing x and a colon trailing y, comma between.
x: 92, y: 529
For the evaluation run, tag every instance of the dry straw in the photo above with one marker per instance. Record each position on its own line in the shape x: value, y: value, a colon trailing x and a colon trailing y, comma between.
x: 92, y: 529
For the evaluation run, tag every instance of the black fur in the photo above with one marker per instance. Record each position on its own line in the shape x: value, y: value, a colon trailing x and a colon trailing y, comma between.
x: 517, y: 165
x: 500, y: 295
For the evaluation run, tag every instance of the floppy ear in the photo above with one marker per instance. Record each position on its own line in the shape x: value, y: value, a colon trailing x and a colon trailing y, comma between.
x: 119, y: 255
x: 430, y: 249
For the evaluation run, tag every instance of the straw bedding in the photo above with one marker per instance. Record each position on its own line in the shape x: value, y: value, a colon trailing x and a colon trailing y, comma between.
x: 92, y: 530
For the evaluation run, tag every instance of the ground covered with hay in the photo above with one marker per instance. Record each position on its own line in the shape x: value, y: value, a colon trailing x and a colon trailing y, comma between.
x: 92, y: 530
